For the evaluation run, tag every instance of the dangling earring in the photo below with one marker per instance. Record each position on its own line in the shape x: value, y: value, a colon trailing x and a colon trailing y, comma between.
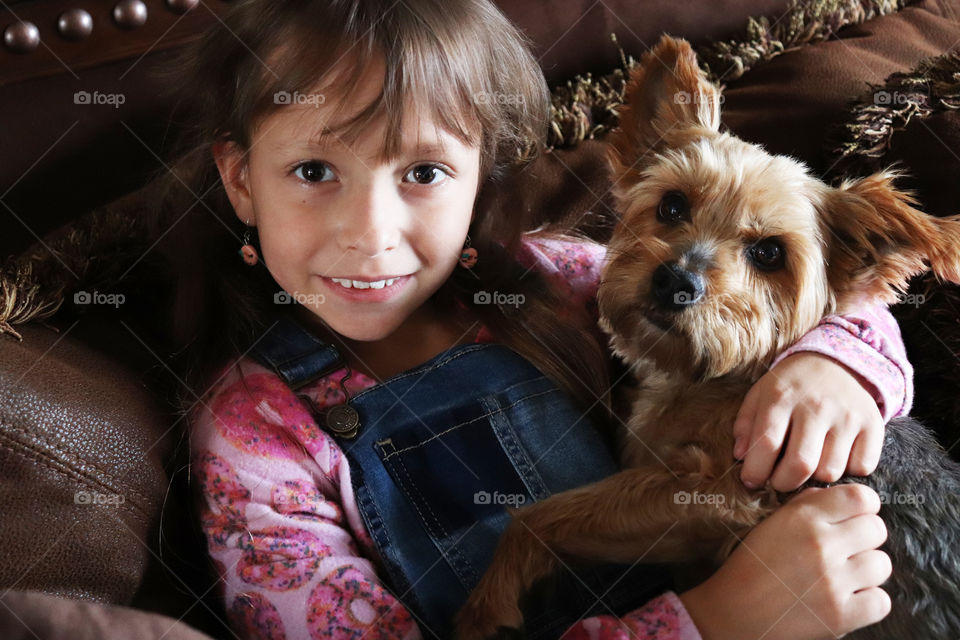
x: 247, y: 252
x: 468, y: 257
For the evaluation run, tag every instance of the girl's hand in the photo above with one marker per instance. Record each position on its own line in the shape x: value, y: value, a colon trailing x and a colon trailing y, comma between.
x: 811, y: 570
x: 833, y: 424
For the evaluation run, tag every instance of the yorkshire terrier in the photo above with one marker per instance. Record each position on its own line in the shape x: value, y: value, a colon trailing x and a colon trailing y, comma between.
x: 724, y: 256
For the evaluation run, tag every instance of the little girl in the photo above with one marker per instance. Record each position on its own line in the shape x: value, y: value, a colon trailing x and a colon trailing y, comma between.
x: 388, y: 364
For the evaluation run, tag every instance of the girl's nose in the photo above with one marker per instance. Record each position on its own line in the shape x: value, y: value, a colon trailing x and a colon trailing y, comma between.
x: 370, y: 222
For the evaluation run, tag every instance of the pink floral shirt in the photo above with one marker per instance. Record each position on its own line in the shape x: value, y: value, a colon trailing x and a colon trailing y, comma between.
x: 283, y: 528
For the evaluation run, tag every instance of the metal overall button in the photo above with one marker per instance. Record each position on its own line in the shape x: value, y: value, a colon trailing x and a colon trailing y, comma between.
x: 343, y: 420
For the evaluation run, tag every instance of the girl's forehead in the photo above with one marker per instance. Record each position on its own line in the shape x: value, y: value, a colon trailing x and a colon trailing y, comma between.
x: 359, y: 97
x: 327, y: 115
x: 320, y: 127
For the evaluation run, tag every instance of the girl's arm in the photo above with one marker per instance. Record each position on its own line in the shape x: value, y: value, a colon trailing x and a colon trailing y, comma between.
x: 866, y: 340
x: 282, y: 528
x: 810, y: 571
x: 831, y: 393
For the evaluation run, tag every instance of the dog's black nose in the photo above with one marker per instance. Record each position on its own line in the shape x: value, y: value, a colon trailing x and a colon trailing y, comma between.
x: 674, y: 289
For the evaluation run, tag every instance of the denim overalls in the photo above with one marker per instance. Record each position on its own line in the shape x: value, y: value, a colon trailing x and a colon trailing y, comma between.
x: 440, y: 451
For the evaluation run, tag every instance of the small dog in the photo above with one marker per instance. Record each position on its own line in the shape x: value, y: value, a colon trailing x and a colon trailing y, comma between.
x: 723, y: 257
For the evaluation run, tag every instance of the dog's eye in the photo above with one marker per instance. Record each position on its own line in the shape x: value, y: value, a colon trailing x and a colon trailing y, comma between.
x: 673, y: 208
x: 768, y: 254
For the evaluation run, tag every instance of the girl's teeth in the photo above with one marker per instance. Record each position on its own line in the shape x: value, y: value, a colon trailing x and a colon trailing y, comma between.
x: 359, y: 284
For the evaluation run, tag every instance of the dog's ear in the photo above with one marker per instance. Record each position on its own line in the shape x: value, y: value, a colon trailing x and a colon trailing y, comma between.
x: 665, y: 94
x: 877, y: 240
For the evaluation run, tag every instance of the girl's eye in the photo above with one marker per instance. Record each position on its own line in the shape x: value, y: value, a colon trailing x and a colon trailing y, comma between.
x: 313, y: 172
x: 425, y: 174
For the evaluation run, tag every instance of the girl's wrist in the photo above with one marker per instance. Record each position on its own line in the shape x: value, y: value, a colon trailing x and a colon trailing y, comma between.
x: 702, y: 608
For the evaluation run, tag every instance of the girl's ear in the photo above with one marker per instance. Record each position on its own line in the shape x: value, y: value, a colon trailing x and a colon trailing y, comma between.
x: 232, y: 165
x: 876, y: 240
x: 666, y: 93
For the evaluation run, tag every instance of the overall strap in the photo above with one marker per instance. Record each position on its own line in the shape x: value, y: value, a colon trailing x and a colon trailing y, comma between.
x: 295, y: 354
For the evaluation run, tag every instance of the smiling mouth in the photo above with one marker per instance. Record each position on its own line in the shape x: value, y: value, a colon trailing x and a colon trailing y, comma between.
x: 347, y: 283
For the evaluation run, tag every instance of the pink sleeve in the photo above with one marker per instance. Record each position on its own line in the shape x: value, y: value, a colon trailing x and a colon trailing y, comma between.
x: 867, y: 341
x: 663, y: 618
x: 273, y: 497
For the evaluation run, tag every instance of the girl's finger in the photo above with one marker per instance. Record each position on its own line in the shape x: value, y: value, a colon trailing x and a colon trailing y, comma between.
x: 868, y: 569
x: 837, y: 448
x: 804, y: 446
x: 841, y: 502
x: 867, y: 607
x: 859, y: 534
x: 743, y: 425
x: 865, y: 453
x: 766, y: 440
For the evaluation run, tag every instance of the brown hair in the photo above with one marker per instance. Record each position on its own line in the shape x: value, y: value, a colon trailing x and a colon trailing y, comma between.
x: 440, y: 53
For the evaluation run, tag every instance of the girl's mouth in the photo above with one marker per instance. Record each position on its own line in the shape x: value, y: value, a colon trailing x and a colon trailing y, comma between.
x: 366, y: 291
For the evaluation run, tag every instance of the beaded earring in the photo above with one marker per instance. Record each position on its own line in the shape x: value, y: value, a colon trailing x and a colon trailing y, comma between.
x: 468, y: 256
x: 247, y: 251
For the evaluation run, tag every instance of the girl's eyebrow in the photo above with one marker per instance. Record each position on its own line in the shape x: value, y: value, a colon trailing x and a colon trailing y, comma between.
x: 328, y: 140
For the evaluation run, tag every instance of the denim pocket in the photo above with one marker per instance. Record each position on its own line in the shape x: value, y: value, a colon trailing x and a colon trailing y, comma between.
x: 510, y: 448
x: 463, y: 470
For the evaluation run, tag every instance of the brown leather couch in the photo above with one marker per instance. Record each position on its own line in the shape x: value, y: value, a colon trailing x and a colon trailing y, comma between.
x: 95, y: 528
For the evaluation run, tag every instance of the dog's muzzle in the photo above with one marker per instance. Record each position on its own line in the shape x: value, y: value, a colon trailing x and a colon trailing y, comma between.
x: 674, y: 288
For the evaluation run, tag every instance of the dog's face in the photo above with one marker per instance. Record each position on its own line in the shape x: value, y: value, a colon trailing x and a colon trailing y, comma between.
x: 718, y: 259
x: 725, y: 254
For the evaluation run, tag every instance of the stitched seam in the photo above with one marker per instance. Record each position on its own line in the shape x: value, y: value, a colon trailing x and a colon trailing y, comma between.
x: 133, y: 509
x: 44, y: 457
x: 69, y: 455
x: 378, y: 531
x: 449, y: 555
x: 516, y: 453
x: 426, y: 505
x: 393, y: 569
x: 480, y: 417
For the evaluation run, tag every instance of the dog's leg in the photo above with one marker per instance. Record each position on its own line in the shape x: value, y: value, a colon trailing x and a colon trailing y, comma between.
x: 634, y: 514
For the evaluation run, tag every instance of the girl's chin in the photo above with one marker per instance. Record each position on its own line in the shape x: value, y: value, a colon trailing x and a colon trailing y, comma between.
x: 356, y: 326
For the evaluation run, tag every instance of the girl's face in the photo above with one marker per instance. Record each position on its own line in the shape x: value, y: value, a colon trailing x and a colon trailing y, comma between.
x: 329, y: 214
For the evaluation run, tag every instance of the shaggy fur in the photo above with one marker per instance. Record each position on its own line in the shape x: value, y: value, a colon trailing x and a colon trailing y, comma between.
x: 724, y: 256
